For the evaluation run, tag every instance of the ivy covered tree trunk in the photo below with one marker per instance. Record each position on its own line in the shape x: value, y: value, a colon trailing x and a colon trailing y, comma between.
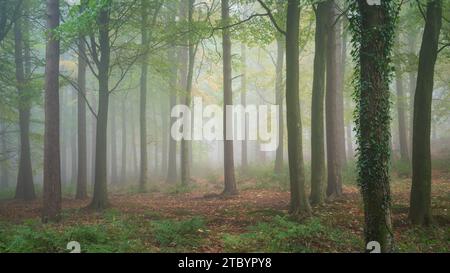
x: 299, y: 202
x: 373, y: 28
x: 100, y: 197
x: 52, y: 170
x: 229, y: 178
x: 317, y: 107
x: 82, y: 150
x: 420, y: 202
x: 333, y: 138
x: 25, y: 186
x: 279, y: 100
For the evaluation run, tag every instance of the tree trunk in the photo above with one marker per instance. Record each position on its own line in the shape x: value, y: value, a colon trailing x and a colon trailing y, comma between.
x: 412, y: 78
x: 113, y: 159
x: 186, y: 145
x: 279, y: 98
x: 244, y: 148
x: 341, y: 52
x: 93, y: 138
x: 143, y: 100
x: 317, y: 108
x: 100, y: 198
x: 374, y: 122
x: 420, y: 202
x: 124, y: 159
x: 25, y: 186
x: 299, y: 203
x: 172, y: 160
x: 52, y: 172
x: 82, y: 151
x: 229, y: 178
x: 334, y: 158
x: 401, y: 108
x: 4, y: 178
x: 165, y: 136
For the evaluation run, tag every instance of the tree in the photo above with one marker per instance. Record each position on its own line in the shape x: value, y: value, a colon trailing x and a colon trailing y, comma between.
x: 82, y: 150
x: 25, y: 186
x: 373, y: 29
x: 420, y: 202
x: 401, y: 110
x: 333, y: 137
x: 143, y: 98
x: 4, y: 177
x: 244, y: 148
x: 229, y: 178
x: 10, y: 11
x: 52, y: 173
x: 100, y: 197
x: 317, y: 108
x: 186, y: 145
x: 279, y: 100
x: 299, y: 203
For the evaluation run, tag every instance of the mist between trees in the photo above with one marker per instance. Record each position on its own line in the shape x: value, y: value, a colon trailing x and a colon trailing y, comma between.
x: 328, y: 98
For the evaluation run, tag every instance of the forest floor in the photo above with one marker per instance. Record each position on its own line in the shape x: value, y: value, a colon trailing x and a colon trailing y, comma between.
x: 254, y: 221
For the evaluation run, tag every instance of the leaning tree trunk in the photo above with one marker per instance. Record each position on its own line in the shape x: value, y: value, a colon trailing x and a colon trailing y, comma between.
x: 25, y: 186
x: 100, y: 197
x: 82, y: 151
x: 279, y: 100
x: 420, y: 202
x: 334, y: 157
x: 229, y: 178
x: 299, y: 203
x: 374, y: 31
x: 317, y: 108
x: 52, y: 173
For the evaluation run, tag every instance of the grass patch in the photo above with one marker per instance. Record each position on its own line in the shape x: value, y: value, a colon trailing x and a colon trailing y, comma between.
x: 112, y: 234
x: 284, y: 235
x: 174, y: 235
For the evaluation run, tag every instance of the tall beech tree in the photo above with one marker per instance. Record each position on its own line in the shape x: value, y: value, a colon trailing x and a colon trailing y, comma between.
x: 299, y: 202
x: 186, y: 145
x: 420, y: 201
x: 317, y: 108
x: 52, y: 169
x: 25, y: 186
x: 143, y: 98
x: 373, y: 29
x: 333, y: 138
x: 82, y: 136
x: 229, y: 178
